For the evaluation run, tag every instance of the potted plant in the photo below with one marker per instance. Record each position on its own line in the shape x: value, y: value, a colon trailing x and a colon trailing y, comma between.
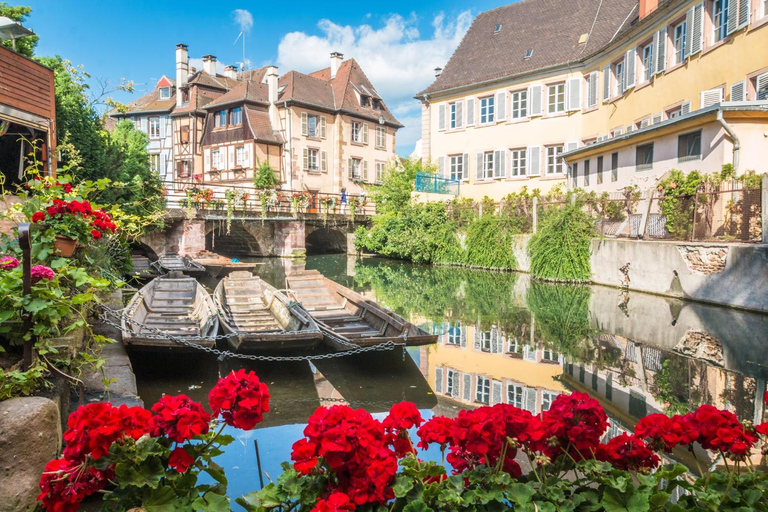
x: 300, y: 202
x: 74, y: 222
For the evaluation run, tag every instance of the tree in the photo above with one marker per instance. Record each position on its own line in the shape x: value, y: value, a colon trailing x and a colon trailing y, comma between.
x: 24, y: 45
x: 394, y: 193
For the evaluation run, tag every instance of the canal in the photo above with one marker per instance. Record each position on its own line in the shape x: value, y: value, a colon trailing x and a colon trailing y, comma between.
x: 502, y: 338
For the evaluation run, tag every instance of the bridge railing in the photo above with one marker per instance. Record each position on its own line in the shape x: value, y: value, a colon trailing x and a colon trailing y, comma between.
x: 434, y: 184
x: 249, y: 199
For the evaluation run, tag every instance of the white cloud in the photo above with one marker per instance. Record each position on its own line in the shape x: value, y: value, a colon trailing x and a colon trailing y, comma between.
x: 395, y: 57
x: 244, y: 19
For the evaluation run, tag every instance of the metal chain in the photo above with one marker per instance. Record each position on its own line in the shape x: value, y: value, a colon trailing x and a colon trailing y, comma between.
x: 222, y: 354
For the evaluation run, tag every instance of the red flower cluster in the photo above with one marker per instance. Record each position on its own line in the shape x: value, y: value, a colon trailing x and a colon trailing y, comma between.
x: 355, y: 447
x: 435, y: 431
x: 336, y: 502
x: 41, y: 273
x: 94, y: 427
x: 180, y: 460
x: 574, y: 423
x: 65, y: 484
x: 8, y: 263
x: 628, y: 452
x: 402, y: 416
x: 179, y: 418
x: 241, y: 399
x: 664, y: 433
x: 100, y: 221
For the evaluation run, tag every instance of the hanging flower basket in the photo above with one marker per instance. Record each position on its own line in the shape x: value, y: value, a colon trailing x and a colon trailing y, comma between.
x: 65, y: 246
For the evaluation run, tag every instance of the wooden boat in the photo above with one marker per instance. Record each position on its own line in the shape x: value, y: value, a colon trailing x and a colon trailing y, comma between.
x: 346, y: 317
x: 266, y: 317
x: 185, y: 264
x: 143, y: 268
x: 173, y: 304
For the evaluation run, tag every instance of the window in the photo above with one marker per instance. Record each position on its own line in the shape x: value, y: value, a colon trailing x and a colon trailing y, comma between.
x: 355, y: 165
x: 236, y: 116
x: 452, y: 383
x: 618, y: 72
x: 240, y: 156
x: 599, y: 170
x: 614, y: 166
x: 517, y: 162
x: 215, y: 159
x: 313, y: 159
x: 547, y: 397
x: 456, y: 167
x: 515, y: 395
x: 679, y: 40
x: 594, y: 380
x: 488, y: 165
x: 312, y: 127
x: 454, y: 335
x: 154, y: 162
x: 154, y: 127
x: 220, y: 119
x: 487, y: 110
x: 381, y: 134
x: 519, y: 104
x: 548, y: 354
x: 485, y: 341
x: 554, y: 162
x: 357, y: 132
x: 165, y: 93
x: 609, y: 387
x: 137, y: 122
x: 575, y: 175
x: 556, y: 96
x: 648, y: 62
x: 644, y: 157
x: 586, y: 173
x: 483, y: 390
x: 720, y: 19
x: 689, y: 146
x: 379, y: 172
x: 454, y: 120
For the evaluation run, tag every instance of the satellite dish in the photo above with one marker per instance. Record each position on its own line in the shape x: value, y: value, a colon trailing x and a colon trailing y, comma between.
x: 381, y: 119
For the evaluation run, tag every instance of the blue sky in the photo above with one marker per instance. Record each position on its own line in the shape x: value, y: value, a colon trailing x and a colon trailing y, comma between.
x: 398, y: 44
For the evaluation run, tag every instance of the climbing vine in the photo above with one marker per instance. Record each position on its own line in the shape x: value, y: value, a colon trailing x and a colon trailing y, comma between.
x: 560, y: 250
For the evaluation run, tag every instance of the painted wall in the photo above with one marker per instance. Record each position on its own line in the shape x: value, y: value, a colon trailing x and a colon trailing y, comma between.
x: 191, y: 151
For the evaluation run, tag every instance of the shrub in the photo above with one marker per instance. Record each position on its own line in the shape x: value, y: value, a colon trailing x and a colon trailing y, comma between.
x: 560, y: 249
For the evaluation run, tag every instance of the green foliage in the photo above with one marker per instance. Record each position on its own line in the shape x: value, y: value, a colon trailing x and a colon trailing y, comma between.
x: 394, y: 193
x: 24, y: 45
x: 265, y: 177
x: 560, y: 249
x: 489, y: 243
x: 15, y: 383
x: 678, y: 192
x: 562, y: 317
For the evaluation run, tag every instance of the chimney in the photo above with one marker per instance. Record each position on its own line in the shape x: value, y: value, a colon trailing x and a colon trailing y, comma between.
x: 438, y: 72
x: 647, y: 7
x: 182, y: 71
x: 230, y: 72
x: 271, y: 79
x: 336, y: 59
x: 209, y: 64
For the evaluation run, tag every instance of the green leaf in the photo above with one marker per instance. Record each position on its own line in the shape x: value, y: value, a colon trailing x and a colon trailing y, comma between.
x: 216, y: 472
x: 752, y: 495
x: 628, y: 501
x: 659, y: 499
x: 162, y: 499
x: 520, y: 493
x: 403, y: 484
x: 58, y: 263
x: 146, y: 474
x: 417, y: 506
x: 5, y: 315
x: 212, y: 502
x: 37, y: 305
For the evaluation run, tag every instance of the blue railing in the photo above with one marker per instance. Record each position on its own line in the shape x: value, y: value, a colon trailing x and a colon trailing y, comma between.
x: 434, y: 184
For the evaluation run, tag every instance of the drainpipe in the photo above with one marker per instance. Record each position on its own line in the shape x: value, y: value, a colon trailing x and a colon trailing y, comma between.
x: 736, y: 143
x: 288, y: 114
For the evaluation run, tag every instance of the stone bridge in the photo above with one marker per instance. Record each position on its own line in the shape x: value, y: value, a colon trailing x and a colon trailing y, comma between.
x: 252, y: 235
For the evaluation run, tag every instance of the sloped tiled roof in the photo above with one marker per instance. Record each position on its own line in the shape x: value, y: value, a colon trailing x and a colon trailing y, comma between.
x: 261, y: 127
x: 150, y: 102
x: 252, y: 89
x: 207, y: 80
x: 306, y: 89
x: 551, y: 28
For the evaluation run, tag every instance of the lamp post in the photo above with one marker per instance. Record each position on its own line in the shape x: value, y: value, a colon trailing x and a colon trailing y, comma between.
x: 26, y: 266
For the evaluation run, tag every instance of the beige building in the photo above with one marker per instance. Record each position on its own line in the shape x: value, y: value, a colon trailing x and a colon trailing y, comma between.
x: 540, y: 80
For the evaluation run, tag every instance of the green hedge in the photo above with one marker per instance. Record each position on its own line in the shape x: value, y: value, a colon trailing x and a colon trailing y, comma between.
x: 560, y: 249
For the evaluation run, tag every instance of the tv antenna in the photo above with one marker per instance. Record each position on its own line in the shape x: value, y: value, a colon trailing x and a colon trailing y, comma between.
x: 241, y: 35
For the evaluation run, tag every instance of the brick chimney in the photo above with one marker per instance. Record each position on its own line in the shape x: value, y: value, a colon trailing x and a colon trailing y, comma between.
x: 182, y: 70
x: 336, y: 60
x: 230, y: 72
x: 209, y: 64
x: 647, y: 7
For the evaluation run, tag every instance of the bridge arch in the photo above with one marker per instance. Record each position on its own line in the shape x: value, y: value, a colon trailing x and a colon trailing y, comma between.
x: 324, y: 240
x: 241, y: 241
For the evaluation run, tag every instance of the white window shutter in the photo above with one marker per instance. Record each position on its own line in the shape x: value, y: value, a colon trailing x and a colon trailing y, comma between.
x: 459, y: 114
x: 365, y: 171
x: 438, y: 380
x: 324, y: 161
x: 761, y: 87
x: 322, y: 126
x: 534, y: 95
x: 441, y: 117
x: 162, y: 164
x: 534, y: 161
x: 465, y: 173
x: 207, y: 160
x: 530, y: 400
x: 231, y: 158
x: 744, y: 13
x: 500, y: 164
x: 496, y: 392
x: 592, y: 92
x: 606, y: 83
x: 467, y: 389
x: 688, y: 30
x: 350, y: 169
x: 685, y: 108
x: 574, y: 93
x: 501, y: 106
x: 441, y: 170
x: 654, y: 53
x: 570, y: 146
x: 711, y: 97
x: 733, y: 16
x: 657, y: 118
x: 661, y: 54
x: 479, y: 168
x: 470, y: 111
x: 629, y: 68
x: 697, y: 30
x: 365, y: 133
x: 738, y: 91
x: 306, y: 159
x: 163, y: 120
x: 304, y: 123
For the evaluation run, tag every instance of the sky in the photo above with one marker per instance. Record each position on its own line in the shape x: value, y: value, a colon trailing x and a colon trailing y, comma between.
x: 397, y: 43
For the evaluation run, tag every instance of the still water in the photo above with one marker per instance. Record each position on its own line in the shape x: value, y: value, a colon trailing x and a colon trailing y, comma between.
x: 502, y: 338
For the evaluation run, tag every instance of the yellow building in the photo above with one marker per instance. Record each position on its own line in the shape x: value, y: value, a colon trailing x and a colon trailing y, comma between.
x: 606, y: 93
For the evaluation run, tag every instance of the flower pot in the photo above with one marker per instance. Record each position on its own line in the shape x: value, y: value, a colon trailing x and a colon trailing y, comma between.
x: 65, y: 246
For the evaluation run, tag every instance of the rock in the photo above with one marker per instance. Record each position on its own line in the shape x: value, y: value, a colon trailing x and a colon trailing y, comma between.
x: 30, y: 436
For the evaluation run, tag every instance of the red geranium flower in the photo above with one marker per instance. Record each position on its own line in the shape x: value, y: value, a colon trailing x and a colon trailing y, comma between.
x: 96, y: 234
x: 336, y: 502
x: 180, y: 460
x: 179, y: 418
x: 64, y: 484
x: 241, y: 399
x: 38, y: 216
x: 94, y: 427
x: 628, y: 452
x: 665, y: 433
x: 403, y: 416
x: 435, y: 431
x: 304, y: 455
x: 574, y: 422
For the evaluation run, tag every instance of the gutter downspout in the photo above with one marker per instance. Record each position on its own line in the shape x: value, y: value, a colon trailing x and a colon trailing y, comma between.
x: 288, y: 119
x: 736, y: 143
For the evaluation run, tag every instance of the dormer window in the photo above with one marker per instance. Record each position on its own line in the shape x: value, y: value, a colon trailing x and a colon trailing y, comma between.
x: 236, y: 116
x: 220, y: 119
x: 165, y: 93
x: 497, y: 29
x: 364, y: 101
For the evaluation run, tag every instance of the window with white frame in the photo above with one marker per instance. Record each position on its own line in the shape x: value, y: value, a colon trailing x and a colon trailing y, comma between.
x: 154, y: 162
x: 483, y: 390
x: 380, y: 172
x: 313, y: 159
x: 488, y: 165
x: 165, y: 93
x: 137, y: 123
x: 647, y: 54
x: 515, y: 395
x: 154, y: 127
x: 485, y: 341
x: 487, y: 112
x: 357, y: 132
x: 556, y: 98
x: 456, y: 167
x: 618, y: 73
x: 547, y: 397
x: 678, y: 38
x: 355, y: 170
x: 240, y: 156
x: 215, y: 159
x: 452, y: 383
x: 517, y: 162
x: 554, y: 162
x: 381, y: 134
x: 454, y: 335
x: 720, y: 19
x: 519, y: 104
x: 453, y: 117
x: 236, y: 116
x: 313, y: 125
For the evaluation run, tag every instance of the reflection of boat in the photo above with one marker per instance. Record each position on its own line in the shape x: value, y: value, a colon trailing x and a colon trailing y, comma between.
x: 346, y: 317
x: 218, y: 266
x: 268, y: 321
x: 175, y: 305
x: 377, y: 380
x: 184, y: 264
x: 143, y: 268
